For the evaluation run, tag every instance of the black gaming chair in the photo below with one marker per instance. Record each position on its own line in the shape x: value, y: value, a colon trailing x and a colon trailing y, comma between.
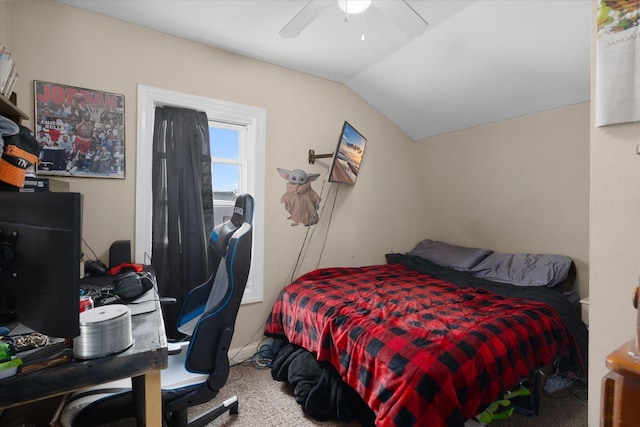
x: 198, y: 367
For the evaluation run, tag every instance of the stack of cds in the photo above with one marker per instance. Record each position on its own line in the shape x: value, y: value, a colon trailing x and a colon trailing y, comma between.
x: 104, y: 331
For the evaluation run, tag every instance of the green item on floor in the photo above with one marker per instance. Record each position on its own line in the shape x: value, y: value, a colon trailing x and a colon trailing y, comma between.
x: 501, y: 409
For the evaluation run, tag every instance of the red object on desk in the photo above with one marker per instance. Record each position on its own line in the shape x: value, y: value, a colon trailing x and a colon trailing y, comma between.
x: 114, y: 271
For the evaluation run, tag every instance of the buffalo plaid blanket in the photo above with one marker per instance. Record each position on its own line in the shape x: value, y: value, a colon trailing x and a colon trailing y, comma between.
x: 417, y: 349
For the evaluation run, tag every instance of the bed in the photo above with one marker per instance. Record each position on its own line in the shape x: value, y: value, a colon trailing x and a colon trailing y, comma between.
x: 426, y: 343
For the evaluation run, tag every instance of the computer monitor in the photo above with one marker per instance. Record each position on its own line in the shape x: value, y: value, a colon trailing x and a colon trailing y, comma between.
x: 40, y: 253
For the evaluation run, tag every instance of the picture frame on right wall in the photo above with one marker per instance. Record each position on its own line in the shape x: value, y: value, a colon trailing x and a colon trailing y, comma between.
x: 617, y: 96
x: 346, y: 162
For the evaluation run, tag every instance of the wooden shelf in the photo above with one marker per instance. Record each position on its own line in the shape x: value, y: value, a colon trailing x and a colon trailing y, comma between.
x: 9, y: 109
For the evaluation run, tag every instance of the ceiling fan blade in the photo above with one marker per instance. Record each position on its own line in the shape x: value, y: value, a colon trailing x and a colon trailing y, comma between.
x: 404, y: 16
x: 303, y: 18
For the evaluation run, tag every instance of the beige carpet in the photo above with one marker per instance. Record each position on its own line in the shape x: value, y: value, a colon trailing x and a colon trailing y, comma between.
x: 265, y: 402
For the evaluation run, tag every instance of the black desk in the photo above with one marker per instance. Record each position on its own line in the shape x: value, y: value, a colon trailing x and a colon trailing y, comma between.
x: 143, y: 362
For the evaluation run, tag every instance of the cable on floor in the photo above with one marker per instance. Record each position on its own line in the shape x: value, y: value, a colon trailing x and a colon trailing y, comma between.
x: 266, y: 354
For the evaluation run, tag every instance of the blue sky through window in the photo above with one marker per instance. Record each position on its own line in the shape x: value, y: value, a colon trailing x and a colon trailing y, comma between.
x: 224, y: 144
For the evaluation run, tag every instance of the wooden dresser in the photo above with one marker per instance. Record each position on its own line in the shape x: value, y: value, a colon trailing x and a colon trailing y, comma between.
x: 620, y: 405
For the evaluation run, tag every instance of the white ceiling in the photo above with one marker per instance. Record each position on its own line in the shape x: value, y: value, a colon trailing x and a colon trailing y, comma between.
x: 479, y: 61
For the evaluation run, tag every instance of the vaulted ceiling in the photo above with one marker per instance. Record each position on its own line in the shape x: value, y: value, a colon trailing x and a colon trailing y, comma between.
x: 478, y: 61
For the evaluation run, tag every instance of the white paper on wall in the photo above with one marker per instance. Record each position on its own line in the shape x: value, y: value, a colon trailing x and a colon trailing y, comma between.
x: 618, y: 63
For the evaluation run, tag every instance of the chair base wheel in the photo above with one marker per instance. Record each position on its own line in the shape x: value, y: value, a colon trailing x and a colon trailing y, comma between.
x: 230, y: 405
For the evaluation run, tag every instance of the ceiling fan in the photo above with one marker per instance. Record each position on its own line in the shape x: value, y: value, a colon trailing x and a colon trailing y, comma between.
x: 399, y: 11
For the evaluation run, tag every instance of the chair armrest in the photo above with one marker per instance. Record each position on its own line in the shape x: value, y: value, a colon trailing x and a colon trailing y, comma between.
x: 176, y: 347
x: 167, y: 300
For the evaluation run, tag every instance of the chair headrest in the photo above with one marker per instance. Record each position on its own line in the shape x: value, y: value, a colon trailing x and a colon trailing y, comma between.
x: 242, y: 212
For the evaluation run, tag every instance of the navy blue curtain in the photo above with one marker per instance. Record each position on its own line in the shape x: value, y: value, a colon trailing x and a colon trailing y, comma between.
x: 182, y: 205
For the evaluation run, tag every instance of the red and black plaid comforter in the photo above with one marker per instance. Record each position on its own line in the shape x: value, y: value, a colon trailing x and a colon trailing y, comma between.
x: 418, y: 350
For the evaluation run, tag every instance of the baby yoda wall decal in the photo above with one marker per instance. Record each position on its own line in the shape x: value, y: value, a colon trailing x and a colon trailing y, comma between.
x: 300, y: 200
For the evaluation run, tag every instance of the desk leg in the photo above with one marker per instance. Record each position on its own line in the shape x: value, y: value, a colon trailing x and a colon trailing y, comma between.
x: 148, y: 399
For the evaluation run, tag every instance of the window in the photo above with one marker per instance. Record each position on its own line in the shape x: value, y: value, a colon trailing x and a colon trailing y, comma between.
x: 229, y: 166
x: 241, y: 170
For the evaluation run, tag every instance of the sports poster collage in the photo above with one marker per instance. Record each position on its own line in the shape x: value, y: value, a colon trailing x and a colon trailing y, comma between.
x: 80, y: 131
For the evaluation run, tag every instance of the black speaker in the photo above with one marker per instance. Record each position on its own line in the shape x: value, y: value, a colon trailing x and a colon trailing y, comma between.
x: 119, y: 252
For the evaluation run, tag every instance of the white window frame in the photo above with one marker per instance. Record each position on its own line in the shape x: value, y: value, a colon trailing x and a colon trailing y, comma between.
x: 253, y: 118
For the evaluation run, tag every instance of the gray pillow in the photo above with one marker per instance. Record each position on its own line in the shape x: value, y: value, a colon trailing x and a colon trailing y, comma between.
x: 448, y: 255
x: 524, y: 269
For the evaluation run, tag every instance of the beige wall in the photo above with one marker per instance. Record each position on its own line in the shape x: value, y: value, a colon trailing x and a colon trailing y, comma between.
x: 614, y: 237
x: 517, y: 185
x: 61, y: 44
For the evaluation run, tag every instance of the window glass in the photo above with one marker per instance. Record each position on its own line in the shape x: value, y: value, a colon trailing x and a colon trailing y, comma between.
x: 228, y: 166
x: 226, y: 181
x: 224, y: 142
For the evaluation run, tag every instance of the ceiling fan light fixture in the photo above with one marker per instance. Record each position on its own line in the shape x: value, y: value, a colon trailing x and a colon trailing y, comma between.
x: 353, y: 7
